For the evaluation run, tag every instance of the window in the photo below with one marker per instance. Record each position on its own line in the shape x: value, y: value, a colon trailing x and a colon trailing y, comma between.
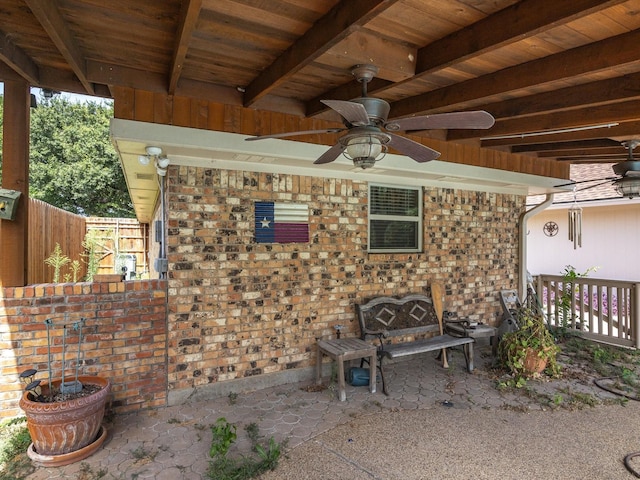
x: 395, y: 219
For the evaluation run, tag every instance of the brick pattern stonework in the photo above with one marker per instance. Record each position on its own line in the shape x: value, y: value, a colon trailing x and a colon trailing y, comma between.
x: 239, y: 309
x: 125, y: 337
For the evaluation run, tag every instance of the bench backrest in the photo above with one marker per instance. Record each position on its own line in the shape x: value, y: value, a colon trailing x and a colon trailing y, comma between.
x: 413, y: 314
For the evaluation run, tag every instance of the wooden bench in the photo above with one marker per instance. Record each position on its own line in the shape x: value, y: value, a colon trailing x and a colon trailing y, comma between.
x: 408, y: 326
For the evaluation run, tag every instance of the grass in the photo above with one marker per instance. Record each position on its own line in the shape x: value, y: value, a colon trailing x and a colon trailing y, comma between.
x: 14, y: 441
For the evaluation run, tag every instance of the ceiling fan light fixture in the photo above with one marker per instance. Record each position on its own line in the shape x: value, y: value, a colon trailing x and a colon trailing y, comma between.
x: 365, y: 146
x: 628, y: 186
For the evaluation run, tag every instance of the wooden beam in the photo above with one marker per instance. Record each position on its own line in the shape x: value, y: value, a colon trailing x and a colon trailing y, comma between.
x: 514, y: 23
x: 342, y: 20
x: 585, y: 152
x: 616, y: 89
x: 594, y: 57
x: 18, y: 60
x: 51, y: 20
x: 14, y: 234
x: 623, y: 131
x: 541, y: 147
x: 602, y: 114
x: 525, y: 19
x: 189, y: 12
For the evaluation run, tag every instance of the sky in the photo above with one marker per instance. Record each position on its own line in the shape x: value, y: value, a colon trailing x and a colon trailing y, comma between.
x: 72, y: 97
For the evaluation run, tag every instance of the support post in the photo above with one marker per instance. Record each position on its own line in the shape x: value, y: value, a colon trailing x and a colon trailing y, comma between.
x: 635, y: 314
x: 14, y: 238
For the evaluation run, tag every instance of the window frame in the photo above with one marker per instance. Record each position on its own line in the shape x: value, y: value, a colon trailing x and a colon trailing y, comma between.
x: 417, y: 219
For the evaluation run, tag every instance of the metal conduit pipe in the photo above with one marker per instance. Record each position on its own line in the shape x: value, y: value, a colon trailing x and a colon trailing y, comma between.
x: 522, y: 243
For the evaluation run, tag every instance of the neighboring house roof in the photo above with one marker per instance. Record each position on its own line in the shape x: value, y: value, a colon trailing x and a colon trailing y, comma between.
x: 593, y: 183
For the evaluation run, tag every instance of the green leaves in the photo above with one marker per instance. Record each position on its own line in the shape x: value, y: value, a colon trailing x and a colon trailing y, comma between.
x: 73, y: 164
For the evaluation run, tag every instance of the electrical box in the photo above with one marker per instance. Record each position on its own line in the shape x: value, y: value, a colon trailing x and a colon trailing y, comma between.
x: 8, y: 203
x: 161, y: 265
x: 126, y: 265
x: 158, y: 230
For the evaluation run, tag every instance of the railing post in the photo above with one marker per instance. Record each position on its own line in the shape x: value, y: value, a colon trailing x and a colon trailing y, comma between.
x: 635, y: 312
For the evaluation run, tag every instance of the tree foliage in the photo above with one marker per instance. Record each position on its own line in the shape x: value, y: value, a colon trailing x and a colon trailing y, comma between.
x: 73, y: 164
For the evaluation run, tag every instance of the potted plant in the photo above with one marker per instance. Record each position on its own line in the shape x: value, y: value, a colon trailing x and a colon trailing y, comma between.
x: 64, y: 416
x: 531, y: 348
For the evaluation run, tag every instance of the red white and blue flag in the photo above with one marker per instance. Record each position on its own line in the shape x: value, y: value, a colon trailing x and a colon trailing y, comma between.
x: 282, y: 222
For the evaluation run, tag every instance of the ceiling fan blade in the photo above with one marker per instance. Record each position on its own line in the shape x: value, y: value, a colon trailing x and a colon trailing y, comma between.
x: 352, y: 112
x: 474, y: 119
x: 418, y: 152
x: 294, y: 134
x: 331, y: 154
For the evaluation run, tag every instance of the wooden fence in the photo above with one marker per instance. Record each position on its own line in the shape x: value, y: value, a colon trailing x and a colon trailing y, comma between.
x: 120, y: 239
x: 49, y: 225
x: 603, y: 310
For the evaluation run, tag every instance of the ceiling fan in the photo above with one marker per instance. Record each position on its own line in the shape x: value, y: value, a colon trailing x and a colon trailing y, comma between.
x: 627, y: 181
x: 369, y: 133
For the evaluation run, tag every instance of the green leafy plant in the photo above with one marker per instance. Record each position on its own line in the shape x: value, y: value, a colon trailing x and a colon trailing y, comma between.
x: 57, y: 260
x: 224, y: 435
x: 565, y: 304
x: 244, y: 467
x: 531, y: 345
x: 92, y: 245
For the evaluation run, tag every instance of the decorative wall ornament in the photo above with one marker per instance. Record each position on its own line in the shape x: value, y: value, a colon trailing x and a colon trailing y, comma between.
x: 550, y: 229
x: 281, y: 222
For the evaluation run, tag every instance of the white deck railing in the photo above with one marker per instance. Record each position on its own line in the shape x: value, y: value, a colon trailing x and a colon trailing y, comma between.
x: 603, y: 310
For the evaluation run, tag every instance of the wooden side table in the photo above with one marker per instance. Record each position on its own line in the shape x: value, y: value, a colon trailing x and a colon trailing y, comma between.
x: 346, y: 349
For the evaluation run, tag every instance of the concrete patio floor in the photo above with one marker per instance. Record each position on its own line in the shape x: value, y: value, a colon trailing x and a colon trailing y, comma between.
x: 436, y: 423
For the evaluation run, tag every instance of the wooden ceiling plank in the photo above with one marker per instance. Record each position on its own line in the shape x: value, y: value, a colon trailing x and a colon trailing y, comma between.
x: 329, y: 30
x: 593, y: 57
x: 51, y: 20
x: 524, y: 19
x: 189, y: 12
x: 18, y: 60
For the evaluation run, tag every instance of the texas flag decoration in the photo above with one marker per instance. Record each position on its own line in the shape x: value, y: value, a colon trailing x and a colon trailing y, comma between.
x: 282, y: 222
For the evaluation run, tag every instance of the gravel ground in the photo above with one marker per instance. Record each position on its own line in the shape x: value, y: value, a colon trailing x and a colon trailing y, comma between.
x: 451, y: 443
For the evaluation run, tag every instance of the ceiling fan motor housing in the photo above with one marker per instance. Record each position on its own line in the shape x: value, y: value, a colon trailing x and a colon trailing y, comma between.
x: 377, y: 109
x: 626, y: 168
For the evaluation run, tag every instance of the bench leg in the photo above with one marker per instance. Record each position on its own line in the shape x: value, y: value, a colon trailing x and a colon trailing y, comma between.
x: 468, y: 356
x: 341, y: 385
x: 384, y: 383
x: 372, y: 373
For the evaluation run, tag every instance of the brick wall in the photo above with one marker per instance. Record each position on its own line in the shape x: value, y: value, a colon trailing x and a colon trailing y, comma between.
x: 241, y: 309
x: 124, y: 337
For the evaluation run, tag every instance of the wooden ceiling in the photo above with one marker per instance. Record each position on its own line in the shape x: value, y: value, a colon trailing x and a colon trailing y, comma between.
x: 546, y: 69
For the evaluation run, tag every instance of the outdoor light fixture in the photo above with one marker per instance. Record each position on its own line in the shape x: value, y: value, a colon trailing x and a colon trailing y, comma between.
x: 365, y: 146
x: 160, y: 160
x: 48, y: 93
x: 629, y: 185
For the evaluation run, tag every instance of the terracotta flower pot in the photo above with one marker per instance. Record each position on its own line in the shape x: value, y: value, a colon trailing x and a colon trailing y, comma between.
x: 533, y: 363
x: 59, y: 428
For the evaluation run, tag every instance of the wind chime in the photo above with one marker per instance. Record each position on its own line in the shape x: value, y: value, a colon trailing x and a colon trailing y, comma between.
x: 575, y: 223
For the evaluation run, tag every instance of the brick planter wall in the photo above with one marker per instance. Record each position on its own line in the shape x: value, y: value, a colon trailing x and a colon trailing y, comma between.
x: 125, y: 337
x: 242, y: 309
